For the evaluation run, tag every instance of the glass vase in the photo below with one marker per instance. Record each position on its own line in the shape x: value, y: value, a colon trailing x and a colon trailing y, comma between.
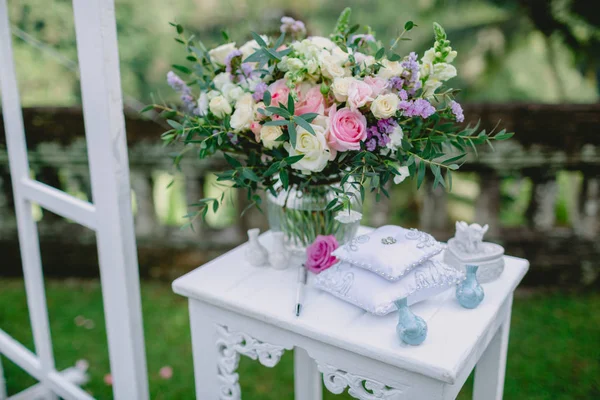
x: 302, y: 215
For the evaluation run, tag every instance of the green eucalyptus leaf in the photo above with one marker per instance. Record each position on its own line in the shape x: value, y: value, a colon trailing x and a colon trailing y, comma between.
x: 258, y: 39
x: 267, y: 98
x: 232, y: 161
x: 305, y: 125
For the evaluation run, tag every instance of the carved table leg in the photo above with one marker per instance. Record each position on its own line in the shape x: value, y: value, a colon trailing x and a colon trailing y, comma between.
x: 491, y: 367
x: 359, y: 387
x: 230, y: 345
x: 307, y: 378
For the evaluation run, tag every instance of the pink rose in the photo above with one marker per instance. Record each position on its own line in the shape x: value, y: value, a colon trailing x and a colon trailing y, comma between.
x: 311, y: 102
x: 279, y: 92
x: 318, y: 254
x: 378, y: 85
x: 359, y: 94
x: 255, y: 127
x: 347, y: 128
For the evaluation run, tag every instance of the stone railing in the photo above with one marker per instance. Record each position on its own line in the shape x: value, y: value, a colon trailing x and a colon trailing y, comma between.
x: 519, y: 189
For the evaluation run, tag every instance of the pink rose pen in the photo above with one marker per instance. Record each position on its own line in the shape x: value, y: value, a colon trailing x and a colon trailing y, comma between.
x: 318, y: 259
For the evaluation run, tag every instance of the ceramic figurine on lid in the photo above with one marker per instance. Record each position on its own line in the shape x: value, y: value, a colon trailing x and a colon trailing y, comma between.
x: 468, y: 248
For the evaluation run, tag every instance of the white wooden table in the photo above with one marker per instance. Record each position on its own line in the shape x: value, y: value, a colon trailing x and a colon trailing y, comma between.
x: 237, y: 309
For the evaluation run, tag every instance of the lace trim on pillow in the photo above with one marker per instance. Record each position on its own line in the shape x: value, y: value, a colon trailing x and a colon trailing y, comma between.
x: 339, y: 282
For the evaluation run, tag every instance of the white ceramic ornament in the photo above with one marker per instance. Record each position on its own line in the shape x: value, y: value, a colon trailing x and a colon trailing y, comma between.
x: 256, y: 253
x: 278, y: 257
x: 468, y: 248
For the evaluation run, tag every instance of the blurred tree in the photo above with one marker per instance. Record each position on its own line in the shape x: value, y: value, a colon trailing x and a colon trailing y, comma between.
x: 509, y: 50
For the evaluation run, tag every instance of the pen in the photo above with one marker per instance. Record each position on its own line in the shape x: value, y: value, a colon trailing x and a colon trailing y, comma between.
x: 300, y: 290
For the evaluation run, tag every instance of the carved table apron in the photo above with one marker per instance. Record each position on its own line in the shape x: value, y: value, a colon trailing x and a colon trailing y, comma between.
x: 238, y: 310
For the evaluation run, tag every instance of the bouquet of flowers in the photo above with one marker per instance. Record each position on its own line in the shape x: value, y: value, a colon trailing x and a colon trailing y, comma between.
x: 317, y: 122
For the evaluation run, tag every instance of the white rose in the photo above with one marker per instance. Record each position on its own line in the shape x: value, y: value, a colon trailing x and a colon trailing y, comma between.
x: 203, y: 104
x: 321, y: 42
x: 340, y: 88
x: 212, y: 94
x: 219, y: 54
x: 222, y: 79
x: 269, y: 135
x: 219, y: 106
x: 232, y: 92
x: 390, y: 69
x: 243, y: 114
x: 404, y: 173
x: 331, y: 66
x: 443, y: 71
x: 313, y: 147
x: 385, y: 105
x: 395, y: 138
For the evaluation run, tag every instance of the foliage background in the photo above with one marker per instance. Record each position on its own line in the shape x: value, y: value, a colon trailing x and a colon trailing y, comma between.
x: 503, y: 54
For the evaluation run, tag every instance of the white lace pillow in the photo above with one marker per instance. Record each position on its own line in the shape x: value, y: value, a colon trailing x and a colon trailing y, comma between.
x: 390, y: 251
x: 376, y: 295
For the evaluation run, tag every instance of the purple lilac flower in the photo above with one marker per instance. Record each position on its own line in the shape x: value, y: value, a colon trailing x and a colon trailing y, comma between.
x: 419, y: 107
x: 259, y: 91
x: 402, y: 94
x: 290, y: 25
x: 231, y: 56
x: 176, y: 82
x: 364, y: 38
x: 371, y: 144
x: 233, y: 138
x: 396, y: 82
x: 457, y: 111
x: 386, y: 125
x: 378, y: 135
x: 411, y: 72
x: 186, y: 93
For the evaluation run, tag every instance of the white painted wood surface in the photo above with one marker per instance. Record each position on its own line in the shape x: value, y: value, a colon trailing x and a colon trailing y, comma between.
x: 110, y: 215
x: 19, y: 167
x: 260, y: 302
x: 98, y: 56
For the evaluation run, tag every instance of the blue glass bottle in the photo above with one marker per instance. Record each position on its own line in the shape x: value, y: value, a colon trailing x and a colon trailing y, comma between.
x: 411, y: 329
x: 469, y: 292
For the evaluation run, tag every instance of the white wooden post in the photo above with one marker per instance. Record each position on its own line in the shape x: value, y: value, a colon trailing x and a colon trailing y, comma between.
x: 109, y: 170
x: 3, y: 394
x: 110, y: 215
x: 19, y: 166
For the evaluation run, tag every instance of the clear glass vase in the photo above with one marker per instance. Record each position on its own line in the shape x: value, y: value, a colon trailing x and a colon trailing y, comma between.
x: 301, y: 215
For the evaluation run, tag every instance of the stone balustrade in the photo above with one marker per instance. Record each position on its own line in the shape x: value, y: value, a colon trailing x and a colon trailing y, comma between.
x: 540, y: 193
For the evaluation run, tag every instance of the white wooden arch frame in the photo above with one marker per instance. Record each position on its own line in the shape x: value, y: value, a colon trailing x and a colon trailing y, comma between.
x: 110, y: 215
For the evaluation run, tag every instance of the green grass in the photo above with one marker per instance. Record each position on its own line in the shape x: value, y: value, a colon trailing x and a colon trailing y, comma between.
x: 554, y: 345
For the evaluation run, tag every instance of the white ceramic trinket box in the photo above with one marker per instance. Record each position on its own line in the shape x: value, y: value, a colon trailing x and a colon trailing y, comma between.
x: 468, y: 248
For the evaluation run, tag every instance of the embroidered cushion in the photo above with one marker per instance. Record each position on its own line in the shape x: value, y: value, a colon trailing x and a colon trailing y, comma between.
x: 376, y: 295
x: 390, y: 251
